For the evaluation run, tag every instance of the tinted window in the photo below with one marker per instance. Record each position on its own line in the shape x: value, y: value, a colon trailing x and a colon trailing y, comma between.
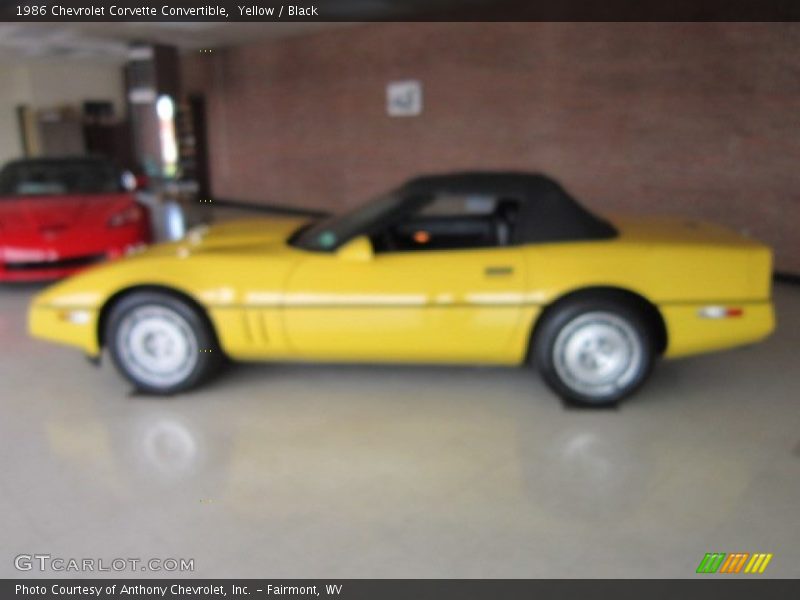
x: 58, y: 177
x: 329, y: 234
x: 453, y: 222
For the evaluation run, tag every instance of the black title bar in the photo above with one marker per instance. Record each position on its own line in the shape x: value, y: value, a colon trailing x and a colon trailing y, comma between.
x: 398, y: 10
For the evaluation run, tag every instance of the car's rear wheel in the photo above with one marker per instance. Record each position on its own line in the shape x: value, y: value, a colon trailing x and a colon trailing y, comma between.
x: 594, y: 352
x: 160, y: 343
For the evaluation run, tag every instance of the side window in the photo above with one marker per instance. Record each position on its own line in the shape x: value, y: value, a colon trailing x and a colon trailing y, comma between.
x: 452, y: 221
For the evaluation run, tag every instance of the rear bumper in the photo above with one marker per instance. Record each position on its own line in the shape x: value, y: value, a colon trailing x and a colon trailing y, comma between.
x: 691, y: 331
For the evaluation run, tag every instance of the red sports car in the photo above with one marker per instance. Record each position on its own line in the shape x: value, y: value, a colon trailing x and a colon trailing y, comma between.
x: 59, y: 215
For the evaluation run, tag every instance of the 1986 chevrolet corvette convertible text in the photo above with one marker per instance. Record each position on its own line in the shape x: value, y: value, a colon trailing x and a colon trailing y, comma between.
x: 485, y: 268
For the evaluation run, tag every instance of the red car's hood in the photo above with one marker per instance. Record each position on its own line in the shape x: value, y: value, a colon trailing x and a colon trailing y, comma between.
x: 43, y: 214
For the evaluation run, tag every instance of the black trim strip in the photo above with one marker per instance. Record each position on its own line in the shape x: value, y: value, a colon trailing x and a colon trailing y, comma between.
x: 784, y: 277
x: 55, y: 265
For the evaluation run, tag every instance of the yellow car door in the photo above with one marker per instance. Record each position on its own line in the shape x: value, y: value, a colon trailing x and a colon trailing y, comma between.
x: 465, y: 305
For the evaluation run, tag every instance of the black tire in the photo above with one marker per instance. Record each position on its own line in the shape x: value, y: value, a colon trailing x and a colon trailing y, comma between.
x: 141, y: 352
x: 573, y: 343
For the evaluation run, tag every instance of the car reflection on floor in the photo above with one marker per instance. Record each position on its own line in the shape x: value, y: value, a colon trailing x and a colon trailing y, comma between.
x: 331, y: 470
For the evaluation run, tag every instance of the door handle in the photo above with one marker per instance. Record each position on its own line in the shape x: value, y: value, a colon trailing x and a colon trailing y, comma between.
x: 498, y: 271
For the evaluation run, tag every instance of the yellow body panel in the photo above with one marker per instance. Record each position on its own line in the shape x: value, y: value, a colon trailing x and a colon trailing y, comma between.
x: 689, y: 335
x: 269, y: 300
x: 53, y: 324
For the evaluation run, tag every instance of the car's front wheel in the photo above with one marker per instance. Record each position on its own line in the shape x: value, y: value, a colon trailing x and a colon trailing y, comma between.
x: 161, y: 343
x: 594, y: 352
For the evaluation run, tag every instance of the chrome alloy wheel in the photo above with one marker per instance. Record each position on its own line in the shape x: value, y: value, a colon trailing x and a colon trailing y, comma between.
x: 157, y: 345
x: 597, y: 353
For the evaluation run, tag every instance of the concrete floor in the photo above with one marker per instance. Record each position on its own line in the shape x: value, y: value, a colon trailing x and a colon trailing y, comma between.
x: 364, y: 471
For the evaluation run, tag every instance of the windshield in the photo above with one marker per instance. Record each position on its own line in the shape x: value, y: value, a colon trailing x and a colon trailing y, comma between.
x: 330, y: 233
x: 58, y: 177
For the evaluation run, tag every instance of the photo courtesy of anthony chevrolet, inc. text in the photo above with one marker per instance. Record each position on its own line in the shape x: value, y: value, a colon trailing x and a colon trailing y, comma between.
x: 399, y: 299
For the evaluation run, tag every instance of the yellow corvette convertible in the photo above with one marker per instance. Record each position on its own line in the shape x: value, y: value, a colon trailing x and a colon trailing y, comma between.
x: 484, y: 268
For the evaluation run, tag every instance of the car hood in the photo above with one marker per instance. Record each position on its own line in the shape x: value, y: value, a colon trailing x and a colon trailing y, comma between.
x: 201, y: 265
x: 239, y: 234
x: 42, y: 214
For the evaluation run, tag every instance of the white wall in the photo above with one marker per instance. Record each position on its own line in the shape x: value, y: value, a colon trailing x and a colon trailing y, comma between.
x: 46, y: 84
x: 73, y: 82
x: 14, y: 90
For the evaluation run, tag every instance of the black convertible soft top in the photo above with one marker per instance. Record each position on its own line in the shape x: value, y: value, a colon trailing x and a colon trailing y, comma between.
x: 547, y: 212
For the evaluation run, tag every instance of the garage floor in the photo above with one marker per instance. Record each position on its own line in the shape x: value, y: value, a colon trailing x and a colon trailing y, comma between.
x: 365, y: 471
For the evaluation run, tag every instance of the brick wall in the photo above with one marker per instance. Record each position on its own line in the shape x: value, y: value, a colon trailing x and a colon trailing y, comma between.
x: 695, y: 119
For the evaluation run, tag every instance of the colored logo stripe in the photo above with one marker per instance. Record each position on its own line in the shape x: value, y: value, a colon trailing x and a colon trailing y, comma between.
x: 734, y: 562
x: 758, y: 564
x: 711, y: 562
x: 721, y: 562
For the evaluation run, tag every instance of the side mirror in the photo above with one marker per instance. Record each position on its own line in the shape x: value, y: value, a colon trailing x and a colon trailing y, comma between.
x: 357, y: 249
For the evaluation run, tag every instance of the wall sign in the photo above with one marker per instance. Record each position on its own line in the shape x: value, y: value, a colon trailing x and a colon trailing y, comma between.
x: 404, y: 98
x: 142, y: 95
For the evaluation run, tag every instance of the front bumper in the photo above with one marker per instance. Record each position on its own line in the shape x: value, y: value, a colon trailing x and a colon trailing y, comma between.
x: 48, y: 264
x: 50, y: 270
x: 73, y: 326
